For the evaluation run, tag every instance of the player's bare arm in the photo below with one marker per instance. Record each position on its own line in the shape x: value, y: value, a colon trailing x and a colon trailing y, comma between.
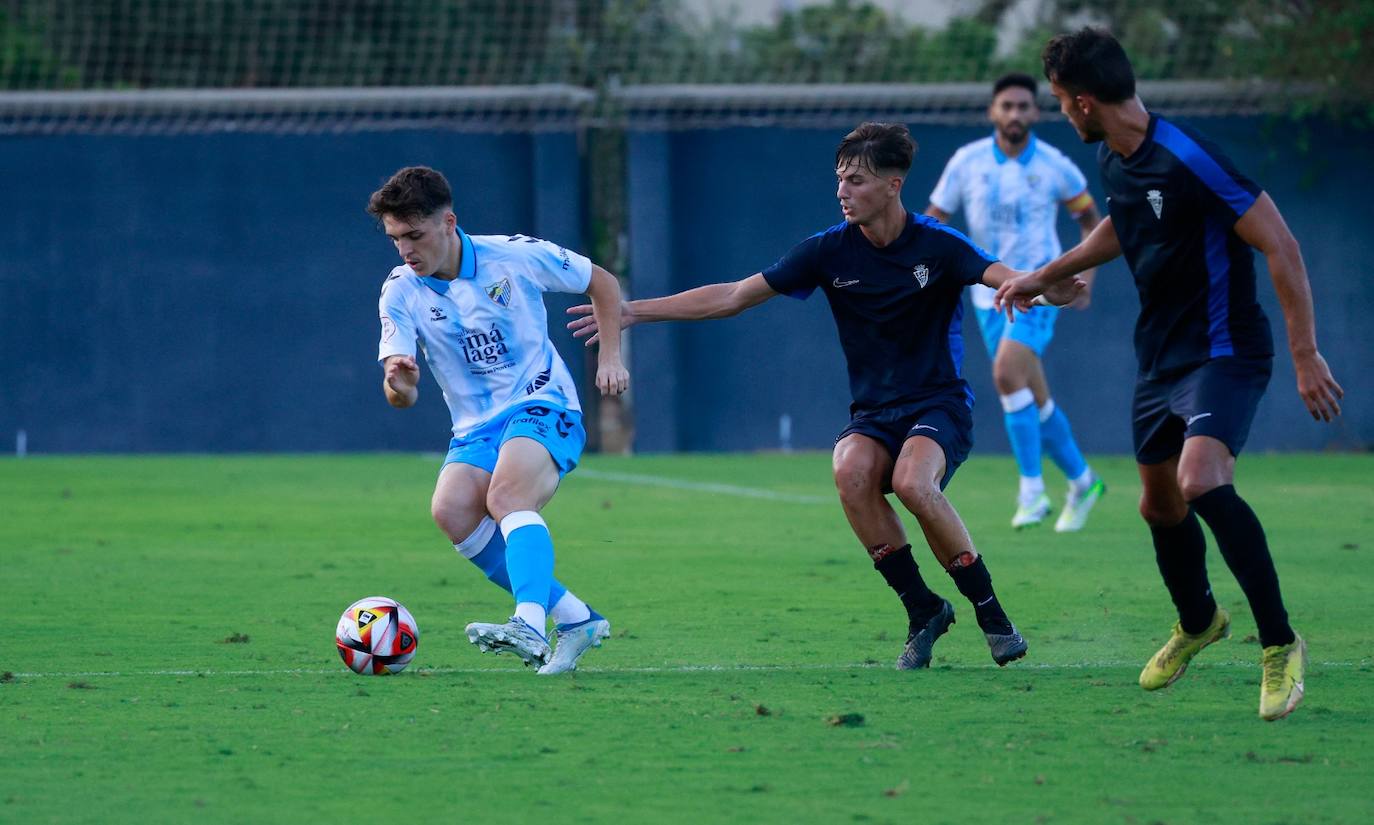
x: 1264, y: 229
x: 400, y: 377
x: 1099, y: 247
x: 611, y: 376
x: 700, y: 304
x: 1058, y: 294
x: 1084, y: 211
x: 933, y: 211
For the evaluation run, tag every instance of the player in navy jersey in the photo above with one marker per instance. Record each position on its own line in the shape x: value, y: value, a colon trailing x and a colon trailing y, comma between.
x: 1186, y: 219
x: 894, y: 281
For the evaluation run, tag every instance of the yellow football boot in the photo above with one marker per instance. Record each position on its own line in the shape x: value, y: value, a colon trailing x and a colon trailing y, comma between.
x: 1281, y: 687
x: 1168, y: 664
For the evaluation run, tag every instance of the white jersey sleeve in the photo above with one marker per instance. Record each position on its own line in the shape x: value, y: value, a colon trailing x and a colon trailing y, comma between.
x: 948, y: 195
x: 1071, y: 180
x: 398, y: 324
x: 550, y: 267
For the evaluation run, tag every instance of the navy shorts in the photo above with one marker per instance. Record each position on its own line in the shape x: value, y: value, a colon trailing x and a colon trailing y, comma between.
x: 946, y: 420
x: 1217, y: 399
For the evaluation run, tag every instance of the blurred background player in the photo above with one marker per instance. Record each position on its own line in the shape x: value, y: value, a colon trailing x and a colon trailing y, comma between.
x: 475, y: 304
x: 1010, y: 186
x: 895, y: 283
x: 1186, y: 220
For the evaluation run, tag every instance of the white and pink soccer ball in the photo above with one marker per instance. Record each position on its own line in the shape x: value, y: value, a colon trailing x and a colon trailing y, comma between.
x: 377, y: 636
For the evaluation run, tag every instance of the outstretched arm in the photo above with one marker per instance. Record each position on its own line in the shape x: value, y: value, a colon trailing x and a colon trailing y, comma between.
x: 1263, y: 228
x: 611, y: 376
x: 700, y: 304
x: 1099, y: 247
x: 1058, y: 294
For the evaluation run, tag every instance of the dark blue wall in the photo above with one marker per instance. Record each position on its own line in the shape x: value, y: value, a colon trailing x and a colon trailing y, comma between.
x: 720, y: 205
x: 218, y: 292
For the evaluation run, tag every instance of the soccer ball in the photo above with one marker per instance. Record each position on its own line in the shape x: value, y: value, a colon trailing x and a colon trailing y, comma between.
x: 377, y: 636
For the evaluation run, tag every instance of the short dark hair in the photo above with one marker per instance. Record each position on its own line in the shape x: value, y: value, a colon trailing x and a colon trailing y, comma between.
x: 1092, y: 61
x: 413, y: 192
x: 1019, y: 79
x: 877, y: 146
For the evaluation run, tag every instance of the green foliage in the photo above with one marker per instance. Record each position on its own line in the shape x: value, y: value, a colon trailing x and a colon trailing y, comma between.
x: 26, y: 62
x: 53, y: 44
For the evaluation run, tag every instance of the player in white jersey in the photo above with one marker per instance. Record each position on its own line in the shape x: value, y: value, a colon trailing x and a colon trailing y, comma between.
x: 475, y: 305
x: 1010, y: 186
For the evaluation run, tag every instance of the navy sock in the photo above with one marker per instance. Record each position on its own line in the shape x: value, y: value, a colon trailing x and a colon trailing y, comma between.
x: 901, y: 574
x: 1241, y: 540
x: 1181, y: 553
x: 974, y: 581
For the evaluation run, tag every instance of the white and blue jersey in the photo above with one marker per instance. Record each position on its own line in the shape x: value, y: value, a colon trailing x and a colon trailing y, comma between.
x: 484, y: 334
x: 1011, y: 205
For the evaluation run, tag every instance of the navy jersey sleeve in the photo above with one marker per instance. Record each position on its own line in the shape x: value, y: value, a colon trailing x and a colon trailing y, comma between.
x: 798, y: 273
x: 1225, y: 193
x: 963, y: 258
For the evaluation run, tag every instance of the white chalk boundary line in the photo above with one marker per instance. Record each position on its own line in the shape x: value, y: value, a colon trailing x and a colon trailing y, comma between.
x: 739, y: 668
x: 701, y: 487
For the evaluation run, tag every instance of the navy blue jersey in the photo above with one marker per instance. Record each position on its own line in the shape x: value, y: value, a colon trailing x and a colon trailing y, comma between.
x: 897, y: 309
x: 1174, y: 204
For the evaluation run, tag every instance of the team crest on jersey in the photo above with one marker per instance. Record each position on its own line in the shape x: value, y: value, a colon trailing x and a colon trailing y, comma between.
x: 1156, y: 199
x: 499, y: 292
x: 922, y: 274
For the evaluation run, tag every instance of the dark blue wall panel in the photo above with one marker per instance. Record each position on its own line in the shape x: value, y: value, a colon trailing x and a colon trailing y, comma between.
x: 741, y: 197
x: 218, y: 292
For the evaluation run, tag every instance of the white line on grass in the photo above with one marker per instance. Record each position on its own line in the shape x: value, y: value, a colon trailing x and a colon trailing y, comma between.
x: 738, y: 668
x: 702, y: 487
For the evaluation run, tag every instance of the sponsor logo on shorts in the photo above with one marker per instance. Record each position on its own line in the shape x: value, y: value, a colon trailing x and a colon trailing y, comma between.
x: 1197, y: 417
x: 925, y: 427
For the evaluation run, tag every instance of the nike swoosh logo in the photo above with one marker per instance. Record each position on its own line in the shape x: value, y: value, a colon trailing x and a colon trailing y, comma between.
x: 925, y: 427
x: 842, y: 284
x: 1197, y: 417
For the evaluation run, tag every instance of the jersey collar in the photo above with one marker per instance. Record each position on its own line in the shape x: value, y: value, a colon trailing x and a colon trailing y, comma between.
x: 467, y: 266
x: 1024, y: 158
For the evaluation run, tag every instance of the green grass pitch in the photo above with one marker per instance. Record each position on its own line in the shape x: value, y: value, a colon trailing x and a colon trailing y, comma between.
x: 168, y: 655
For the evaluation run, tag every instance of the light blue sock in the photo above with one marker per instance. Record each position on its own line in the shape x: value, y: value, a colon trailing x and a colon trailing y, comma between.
x: 529, y: 562
x: 491, y: 559
x: 1058, y: 441
x: 1023, y: 429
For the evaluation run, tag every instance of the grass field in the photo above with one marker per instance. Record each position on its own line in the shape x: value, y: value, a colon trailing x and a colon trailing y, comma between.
x: 744, y: 626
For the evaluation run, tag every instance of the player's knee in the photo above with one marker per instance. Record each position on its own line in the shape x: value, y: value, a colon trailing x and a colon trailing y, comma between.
x: 456, y: 522
x: 919, y: 495
x: 504, y: 499
x: 1159, y: 512
x: 1007, y: 377
x: 857, y: 480
x: 1195, y: 487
